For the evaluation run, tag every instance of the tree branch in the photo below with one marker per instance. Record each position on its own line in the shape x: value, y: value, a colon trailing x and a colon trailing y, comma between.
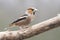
x: 31, y: 31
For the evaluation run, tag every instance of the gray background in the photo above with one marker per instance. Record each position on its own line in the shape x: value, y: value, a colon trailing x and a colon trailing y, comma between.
x: 10, y: 10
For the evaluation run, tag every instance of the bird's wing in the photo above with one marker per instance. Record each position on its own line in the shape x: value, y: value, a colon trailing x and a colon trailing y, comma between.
x: 23, y: 17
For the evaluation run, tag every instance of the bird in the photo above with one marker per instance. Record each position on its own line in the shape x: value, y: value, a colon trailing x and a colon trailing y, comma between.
x: 24, y: 20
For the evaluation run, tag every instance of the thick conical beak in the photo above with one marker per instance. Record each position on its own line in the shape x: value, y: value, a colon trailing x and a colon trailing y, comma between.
x: 34, y: 11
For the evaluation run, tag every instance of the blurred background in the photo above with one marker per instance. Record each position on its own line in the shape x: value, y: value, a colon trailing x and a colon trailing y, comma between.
x: 10, y: 10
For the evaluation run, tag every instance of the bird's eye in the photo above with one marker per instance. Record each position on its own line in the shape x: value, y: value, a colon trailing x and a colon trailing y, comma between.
x: 33, y: 13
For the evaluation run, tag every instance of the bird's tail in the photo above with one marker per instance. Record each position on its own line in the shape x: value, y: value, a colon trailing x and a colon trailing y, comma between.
x: 10, y: 25
x: 8, y: 28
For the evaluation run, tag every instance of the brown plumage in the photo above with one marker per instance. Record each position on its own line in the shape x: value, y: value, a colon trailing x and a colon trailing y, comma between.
x: 23, y: 22
x: 25, y: 19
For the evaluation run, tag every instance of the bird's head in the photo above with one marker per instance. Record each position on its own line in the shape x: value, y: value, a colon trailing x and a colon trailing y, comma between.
x: 31, y: 10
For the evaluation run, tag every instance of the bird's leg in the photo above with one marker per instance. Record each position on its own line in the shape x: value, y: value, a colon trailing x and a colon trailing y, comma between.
x: 25, y: 27
x: 21, y: 29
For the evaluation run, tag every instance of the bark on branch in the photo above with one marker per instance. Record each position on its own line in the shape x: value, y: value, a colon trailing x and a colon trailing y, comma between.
x: 31, y: 31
